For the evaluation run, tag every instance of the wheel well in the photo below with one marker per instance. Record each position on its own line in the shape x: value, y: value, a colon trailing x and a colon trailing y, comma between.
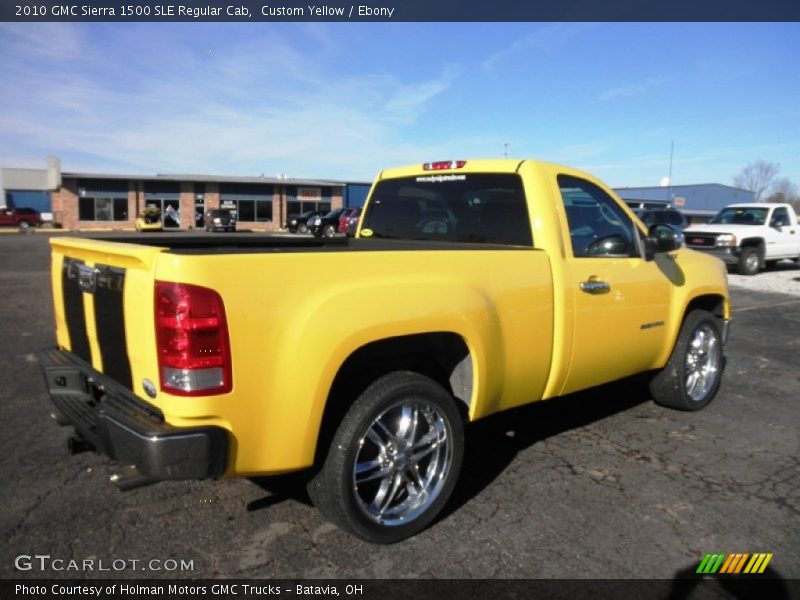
x: 753, y: 242
x: 713, y: 303
x: 442, y: 356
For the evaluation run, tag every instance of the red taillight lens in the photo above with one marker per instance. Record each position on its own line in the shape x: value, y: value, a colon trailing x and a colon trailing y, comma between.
x: 194, y: 356
x: 444, y: 164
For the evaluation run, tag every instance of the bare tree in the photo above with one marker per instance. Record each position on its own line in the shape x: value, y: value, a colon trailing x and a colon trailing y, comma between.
x: 784, y: 190
x: 757, y: 177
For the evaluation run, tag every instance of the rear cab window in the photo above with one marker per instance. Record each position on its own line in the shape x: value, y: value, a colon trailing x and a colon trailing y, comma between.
x: 478, y: 208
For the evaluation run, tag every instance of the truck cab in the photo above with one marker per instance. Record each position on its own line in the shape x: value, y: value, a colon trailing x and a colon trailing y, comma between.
x: 749, y: 236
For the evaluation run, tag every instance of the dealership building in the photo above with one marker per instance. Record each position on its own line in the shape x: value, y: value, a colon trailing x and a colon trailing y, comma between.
x: 113, y: 201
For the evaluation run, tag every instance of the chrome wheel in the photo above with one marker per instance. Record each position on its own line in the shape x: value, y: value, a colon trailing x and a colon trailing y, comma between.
x: 702, y: 362
x: 402, y: 462
x: 751, y: 262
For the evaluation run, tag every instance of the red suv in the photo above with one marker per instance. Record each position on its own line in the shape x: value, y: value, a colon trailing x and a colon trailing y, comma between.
x: 20, y: 217
x: 343, y: 219
x: 349, y: 216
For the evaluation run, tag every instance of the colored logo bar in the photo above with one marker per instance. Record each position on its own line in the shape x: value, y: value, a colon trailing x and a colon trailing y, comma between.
x: 735, y: 563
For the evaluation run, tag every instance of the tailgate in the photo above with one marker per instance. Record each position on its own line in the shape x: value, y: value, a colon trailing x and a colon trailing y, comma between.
x: 103, y: 300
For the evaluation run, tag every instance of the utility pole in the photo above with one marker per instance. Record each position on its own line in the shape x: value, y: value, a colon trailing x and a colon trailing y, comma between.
x: 505, y: 150
x: 669, y: 181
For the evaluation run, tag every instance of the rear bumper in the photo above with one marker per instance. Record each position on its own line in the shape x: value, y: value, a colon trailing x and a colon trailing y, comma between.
x: 126, y: 428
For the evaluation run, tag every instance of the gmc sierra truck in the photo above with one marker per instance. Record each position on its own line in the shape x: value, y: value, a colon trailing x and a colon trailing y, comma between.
x: 478, y: 286
x: 749, y: 236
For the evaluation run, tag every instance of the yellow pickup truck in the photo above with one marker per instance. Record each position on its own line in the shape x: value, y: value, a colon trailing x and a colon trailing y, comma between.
x: 471, y: 287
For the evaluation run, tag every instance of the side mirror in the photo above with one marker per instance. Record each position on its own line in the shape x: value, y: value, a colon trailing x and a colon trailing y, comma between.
x: 778, y: 224
x: 662, y: 238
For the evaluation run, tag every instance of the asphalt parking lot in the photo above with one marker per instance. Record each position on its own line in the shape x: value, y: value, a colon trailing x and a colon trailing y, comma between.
x: 602, y: 484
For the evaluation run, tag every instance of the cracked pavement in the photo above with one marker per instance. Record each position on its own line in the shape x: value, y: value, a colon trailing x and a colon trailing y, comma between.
x: 598, y: 484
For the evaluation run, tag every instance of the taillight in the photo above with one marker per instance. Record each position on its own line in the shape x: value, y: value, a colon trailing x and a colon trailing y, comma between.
x: 194, y: 355
x: 444, y: 164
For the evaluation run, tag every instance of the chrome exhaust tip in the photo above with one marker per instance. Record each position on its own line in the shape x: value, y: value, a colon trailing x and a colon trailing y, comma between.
x: 130, y: 478
x: 59, y: 417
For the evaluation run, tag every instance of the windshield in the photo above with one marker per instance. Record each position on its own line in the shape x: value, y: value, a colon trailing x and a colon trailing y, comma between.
x: 477, y: 208
x: 742, y: 215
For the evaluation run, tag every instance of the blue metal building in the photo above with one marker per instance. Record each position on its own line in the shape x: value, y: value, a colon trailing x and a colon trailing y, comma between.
x: 355, y: 194
x: 700, y: 200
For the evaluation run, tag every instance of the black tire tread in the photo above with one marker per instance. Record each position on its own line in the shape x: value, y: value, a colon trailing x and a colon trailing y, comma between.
x: 667, y: 387
x: 741, y: 267
x: 328, y: 489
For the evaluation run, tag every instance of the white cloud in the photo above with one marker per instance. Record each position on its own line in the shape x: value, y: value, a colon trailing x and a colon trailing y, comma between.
x: 632, y: 89
x: 544, y: 40
x: 167, y: 102
x: 55, y: 41
x: 409, y: 100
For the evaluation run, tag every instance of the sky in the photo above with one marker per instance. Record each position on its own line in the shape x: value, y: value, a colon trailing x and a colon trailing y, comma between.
x: 345, y: 100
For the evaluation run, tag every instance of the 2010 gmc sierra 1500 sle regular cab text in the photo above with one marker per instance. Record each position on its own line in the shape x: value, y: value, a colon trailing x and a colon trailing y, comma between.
x: 479, y: 286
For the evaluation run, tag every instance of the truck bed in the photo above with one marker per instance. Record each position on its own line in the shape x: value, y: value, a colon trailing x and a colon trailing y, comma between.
x: 255, y: 243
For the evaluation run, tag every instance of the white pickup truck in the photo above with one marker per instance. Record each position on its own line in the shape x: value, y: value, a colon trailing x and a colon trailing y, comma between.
x: 750, y: 236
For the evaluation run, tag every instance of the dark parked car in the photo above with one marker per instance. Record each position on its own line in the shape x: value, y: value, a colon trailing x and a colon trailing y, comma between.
x: 220, y: 219
x: 20, y: 217
x: 662, y: 216
x: 297, y: 223
x: 325, y: 225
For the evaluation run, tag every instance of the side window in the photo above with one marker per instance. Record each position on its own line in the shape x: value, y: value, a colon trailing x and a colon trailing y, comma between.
x: 597, y: 225
x: 779, y: 217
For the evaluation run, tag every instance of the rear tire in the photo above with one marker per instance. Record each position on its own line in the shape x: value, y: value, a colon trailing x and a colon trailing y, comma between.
x: 393, y: 461
x: 329, y: 231
x: 302, y: 228
x: 694, y: 371
x: 24, y: 225
x: 749, y: 261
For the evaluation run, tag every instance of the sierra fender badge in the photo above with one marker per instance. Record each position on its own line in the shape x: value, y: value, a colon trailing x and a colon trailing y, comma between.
x: 149, y: 388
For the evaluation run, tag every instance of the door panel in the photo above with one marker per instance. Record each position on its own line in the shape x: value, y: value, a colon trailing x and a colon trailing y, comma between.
x: 621, y: 301
x: 619, y: 329
x: 782, y: 240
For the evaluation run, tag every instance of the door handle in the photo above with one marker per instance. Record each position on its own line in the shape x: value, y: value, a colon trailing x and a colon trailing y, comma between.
x: 595, y: 287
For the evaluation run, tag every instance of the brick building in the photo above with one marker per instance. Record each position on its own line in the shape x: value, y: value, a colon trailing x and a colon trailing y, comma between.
x: 103, y: 201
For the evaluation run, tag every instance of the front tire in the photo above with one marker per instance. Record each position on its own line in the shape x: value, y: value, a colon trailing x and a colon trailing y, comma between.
x: 394, y: 460
x: 749, y: 261
x: 694, y: 371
